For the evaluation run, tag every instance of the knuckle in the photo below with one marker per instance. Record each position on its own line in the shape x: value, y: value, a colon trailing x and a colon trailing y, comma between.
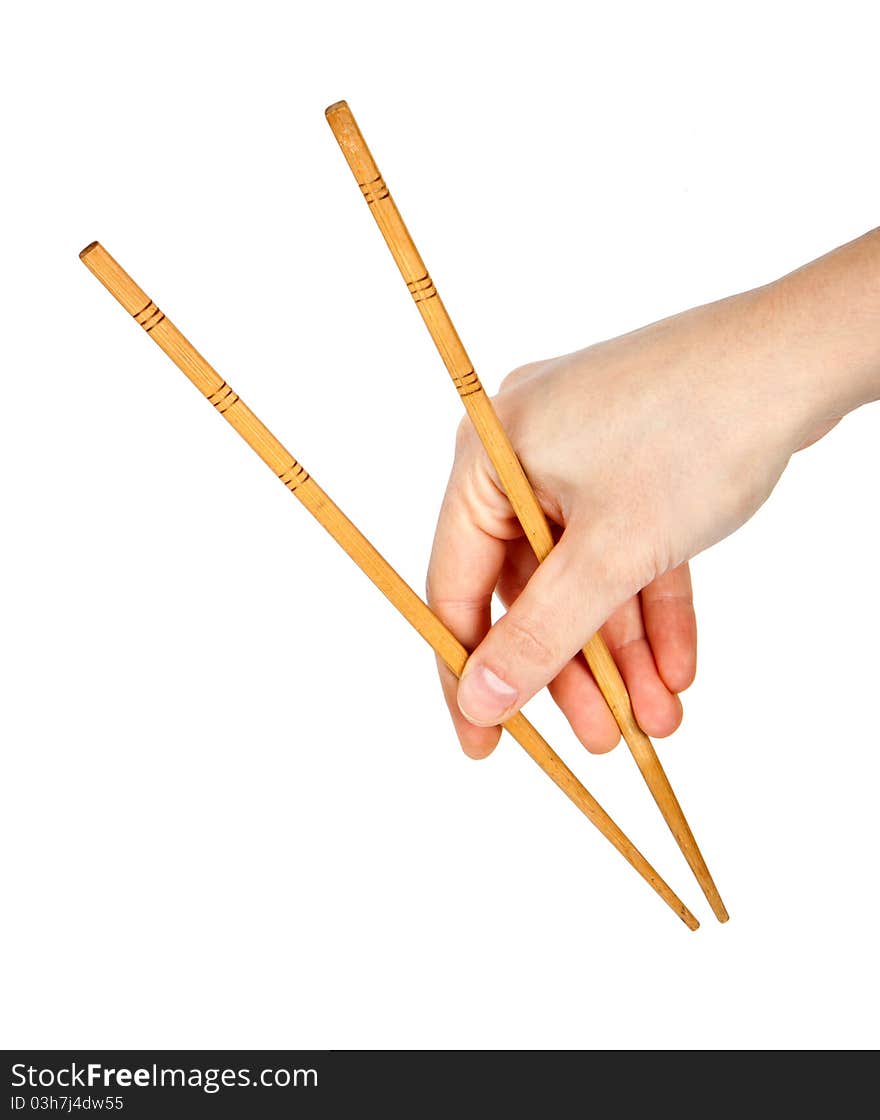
x: 616, y: 565
x: 464, y: 435
x: 517, y: 375
x: 443, y: 604
x: 530, y: 640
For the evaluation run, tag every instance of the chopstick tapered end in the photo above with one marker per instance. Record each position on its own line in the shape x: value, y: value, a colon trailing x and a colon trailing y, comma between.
x: 88, y: 249
x: 336, y: 107
x: 713, y: 897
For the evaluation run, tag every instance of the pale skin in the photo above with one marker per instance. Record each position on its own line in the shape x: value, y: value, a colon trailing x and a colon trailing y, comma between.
x: 643, y: 450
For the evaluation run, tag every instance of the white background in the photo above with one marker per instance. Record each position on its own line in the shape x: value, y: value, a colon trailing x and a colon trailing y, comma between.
x: 234, y: 813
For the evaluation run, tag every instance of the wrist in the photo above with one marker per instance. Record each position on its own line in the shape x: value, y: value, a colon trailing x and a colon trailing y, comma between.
x: 825, y: 320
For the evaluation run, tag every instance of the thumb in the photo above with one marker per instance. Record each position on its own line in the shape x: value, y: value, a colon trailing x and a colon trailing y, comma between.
x: 564, y: 603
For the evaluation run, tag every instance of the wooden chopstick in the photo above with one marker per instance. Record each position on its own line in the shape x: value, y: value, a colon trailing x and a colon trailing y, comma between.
x: 510, y: 472
x: 375, y: 567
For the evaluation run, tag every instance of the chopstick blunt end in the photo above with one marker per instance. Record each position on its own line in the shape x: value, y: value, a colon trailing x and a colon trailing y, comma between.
x: 120, y: 285
x: 357, y: 155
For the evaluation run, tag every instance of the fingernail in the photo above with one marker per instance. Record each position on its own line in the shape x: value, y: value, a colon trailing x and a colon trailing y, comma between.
x: 484, y: 697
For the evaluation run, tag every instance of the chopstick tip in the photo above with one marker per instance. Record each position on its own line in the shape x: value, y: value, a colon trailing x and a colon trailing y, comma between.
x: 88, y: 249
x: 336, y: 107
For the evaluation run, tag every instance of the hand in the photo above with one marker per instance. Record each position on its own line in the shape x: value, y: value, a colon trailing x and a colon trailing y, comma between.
x: 643, y: 451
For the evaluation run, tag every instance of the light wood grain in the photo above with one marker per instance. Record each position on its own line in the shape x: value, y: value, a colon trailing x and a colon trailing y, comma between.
x: 510, y: 472
x: 233, y: 409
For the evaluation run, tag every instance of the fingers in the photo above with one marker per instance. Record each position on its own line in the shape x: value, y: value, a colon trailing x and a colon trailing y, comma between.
x: 671, y: 627
x: 554, y: 610
x: 463, y: 571
x: 574, y: 690
x: 560, y: 606
x: 583, y: 705
x: 657, y: 708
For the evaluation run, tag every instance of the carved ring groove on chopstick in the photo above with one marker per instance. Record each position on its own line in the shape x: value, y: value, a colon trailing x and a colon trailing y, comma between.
x: 149, y: 317
x: 223, y: 398
x: 294, y: 476
x: 467, y: 384
x: 374, y: 191
x: 422, y: 289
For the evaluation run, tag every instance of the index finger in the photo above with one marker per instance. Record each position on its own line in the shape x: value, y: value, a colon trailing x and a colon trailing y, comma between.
x: 466, y: 560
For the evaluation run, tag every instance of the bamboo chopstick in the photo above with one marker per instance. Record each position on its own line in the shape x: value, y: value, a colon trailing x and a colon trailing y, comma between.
x: 510, y: 471
x: 372, y: 564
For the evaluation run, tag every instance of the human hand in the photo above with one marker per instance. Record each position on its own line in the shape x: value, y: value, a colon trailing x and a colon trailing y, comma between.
x: 643, y: 450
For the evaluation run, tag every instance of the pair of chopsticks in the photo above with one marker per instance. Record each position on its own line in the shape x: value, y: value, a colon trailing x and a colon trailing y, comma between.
x: 372, y: 563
